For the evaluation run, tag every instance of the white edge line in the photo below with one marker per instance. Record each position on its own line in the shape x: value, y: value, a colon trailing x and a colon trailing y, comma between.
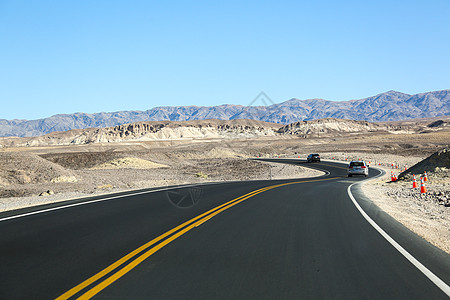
x: 436, y: 280
x: 108, y: 198
x: 93, y: 201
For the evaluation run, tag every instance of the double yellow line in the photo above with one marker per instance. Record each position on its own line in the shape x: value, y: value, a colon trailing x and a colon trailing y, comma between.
x: 147, y: 250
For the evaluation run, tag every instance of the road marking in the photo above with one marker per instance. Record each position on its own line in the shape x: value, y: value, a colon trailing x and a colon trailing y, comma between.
x: 104, y: 199
x: 115, y: 265
x: 95, y: 290
x: 185, y: 227
x: 92, y: 201
x: 436, y: 280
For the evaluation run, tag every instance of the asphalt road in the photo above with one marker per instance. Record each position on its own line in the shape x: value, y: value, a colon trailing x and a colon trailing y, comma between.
x: 279, y: 239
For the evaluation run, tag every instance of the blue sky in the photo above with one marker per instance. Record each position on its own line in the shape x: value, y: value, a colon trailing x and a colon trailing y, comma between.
x: 93, y: 56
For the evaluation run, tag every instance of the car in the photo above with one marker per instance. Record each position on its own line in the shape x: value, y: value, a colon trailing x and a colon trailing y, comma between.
x: 358, y: 167
x: 313, y: 157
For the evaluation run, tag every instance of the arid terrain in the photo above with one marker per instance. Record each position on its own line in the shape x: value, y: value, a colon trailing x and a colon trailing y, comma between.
x: 81, y: 163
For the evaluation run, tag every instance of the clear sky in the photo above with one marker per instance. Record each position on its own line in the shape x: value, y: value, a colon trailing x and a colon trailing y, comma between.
x: 92, y: 56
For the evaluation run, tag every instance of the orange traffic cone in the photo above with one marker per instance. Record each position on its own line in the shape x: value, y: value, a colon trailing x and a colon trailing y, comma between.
x: 392, y: 177
x: 425, y: 178
x: 423, y: 188
x: 414, y: 182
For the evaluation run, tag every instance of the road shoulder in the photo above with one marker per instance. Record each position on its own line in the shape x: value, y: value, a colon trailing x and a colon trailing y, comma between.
x: 425, y: 218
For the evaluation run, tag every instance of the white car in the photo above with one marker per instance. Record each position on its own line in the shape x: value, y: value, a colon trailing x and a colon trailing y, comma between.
x: 358, y: 167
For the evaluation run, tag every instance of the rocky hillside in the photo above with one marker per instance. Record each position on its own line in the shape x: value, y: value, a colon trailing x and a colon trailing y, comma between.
x: 225, y: 129
x: 338, y: 127
x: 389, y: 106
x: 437, y: 163
x: 148, y: 131
x: 329, y: 126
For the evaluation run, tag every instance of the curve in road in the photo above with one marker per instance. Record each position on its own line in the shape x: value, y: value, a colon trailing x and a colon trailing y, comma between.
x: 274, y: 239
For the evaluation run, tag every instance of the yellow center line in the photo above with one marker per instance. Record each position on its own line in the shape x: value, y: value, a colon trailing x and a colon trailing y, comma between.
x: 95, y: 290
x: 116, y: 264
x: 194, y: 222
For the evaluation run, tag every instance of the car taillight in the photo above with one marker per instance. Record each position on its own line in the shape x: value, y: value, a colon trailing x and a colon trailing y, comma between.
x: 363, y: 167
x: 350, y: 167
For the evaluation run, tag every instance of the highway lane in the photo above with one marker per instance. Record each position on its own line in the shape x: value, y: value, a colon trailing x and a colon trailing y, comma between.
x: 301, y: 240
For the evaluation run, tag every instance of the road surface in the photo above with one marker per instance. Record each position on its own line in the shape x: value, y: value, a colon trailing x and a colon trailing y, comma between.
x: 279, y: 239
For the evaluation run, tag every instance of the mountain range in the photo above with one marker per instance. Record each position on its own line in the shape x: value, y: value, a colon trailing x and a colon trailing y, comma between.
x: 388, y: 106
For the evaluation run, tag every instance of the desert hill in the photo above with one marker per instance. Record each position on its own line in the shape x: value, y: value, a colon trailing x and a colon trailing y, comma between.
x: 388, y: 106
x: 225, y: 129
x: 339, y: 127
x: 438, y: 163
x: 151, y: 131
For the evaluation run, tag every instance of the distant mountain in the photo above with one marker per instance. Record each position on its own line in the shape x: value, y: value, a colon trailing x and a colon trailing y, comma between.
x: 389, y: 106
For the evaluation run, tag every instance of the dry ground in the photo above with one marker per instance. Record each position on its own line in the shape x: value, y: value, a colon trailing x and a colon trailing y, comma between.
x: 61, y: 172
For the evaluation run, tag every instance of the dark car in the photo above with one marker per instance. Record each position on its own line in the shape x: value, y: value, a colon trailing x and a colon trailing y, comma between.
x: 313, y: 157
